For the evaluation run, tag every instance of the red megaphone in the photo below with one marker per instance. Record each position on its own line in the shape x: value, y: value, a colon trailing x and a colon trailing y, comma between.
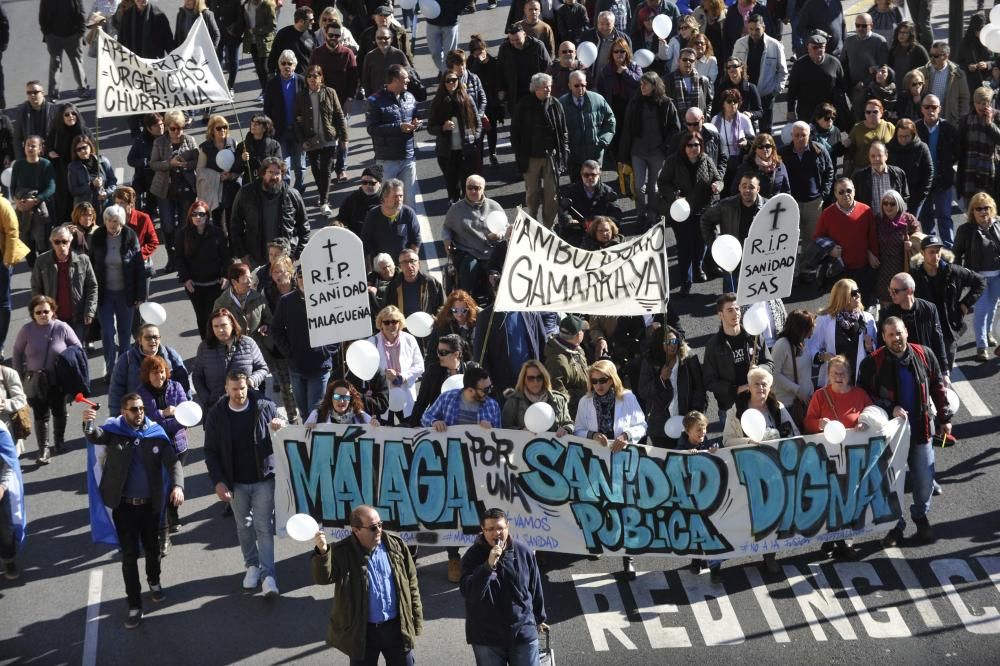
x: 80, y: 398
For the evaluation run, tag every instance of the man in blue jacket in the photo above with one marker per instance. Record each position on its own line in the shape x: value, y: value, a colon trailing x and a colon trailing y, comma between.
x: 504, y: 606
x: 392, y: 122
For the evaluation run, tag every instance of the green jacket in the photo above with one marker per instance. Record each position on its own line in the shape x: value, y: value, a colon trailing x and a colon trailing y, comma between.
x: 568, y: 370
x: 259, y: 39
x: 591, y: 128
x: 343, y: 566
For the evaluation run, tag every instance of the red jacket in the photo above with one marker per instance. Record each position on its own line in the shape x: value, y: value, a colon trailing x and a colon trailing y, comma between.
x: 142, y: 225
x: 854, y: 233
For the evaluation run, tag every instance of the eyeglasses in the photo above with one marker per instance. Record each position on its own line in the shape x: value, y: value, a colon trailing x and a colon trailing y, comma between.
x: 391, y: 322
x: 445, y: 352
x: 151, y: 338
x: 871, y: 112
x: 369, y: 183
x: 845, y: 191
x: 590, y: 174
x: 895, y: 291
x: 982, y: 209
x: 340, y: 397
x: 693, y: 144
x: 60, y: 241
x: 383, y: 39
x: 451, y: 79
x: 938, y: 55
x: 404, y: 262
x: 862, y: 25
x: 135, y: 410
x: 199, y: 213
x: 377, y: 527
x: 599, y: 381
x: 532, y: 378
x: 43, y: 312
x: 460, y: 311
x: 474, y: 188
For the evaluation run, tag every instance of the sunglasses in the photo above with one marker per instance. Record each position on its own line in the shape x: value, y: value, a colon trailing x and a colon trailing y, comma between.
x: 152, y: 338
x: 894, y: 291
x: 71, y: 114
x: 599, y: 381
x: 687, y: 59
x: 459, y: 310
x: 314, y: 76
x: 60, y: 242
x: 43, y: 312
x: 982, y: 209
x: 567, y: 52
x: 532, y: 378
x: 930, y: 107
x: 333, y: 35
x: 35, y: 92
x: 732, y: 67
x: 696, y: 124
x: 373, y: 528
x: 451, y: 80
x: 845, y: 191
x: 855, y: 293
x: 871, y: 112
x: 369, y: 183
x: 766, y: 146
x: 890, y: 203
x: 692, y: 145
x: 590, y: 174
x: 383, y: 39
x: 445, y: 352
x: 82, y: 148
x: 671, y: 341
x: 135, y: 410
x: 221, y: 128
x: 579, y: 85
x: 341, y: 397
x: 175, y: 128
x: 828, y: 117
x: 391, y: 322
x: 199, y: 213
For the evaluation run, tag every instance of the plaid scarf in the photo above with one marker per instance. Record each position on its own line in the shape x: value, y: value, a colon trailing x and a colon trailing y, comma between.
x: 981, y: 156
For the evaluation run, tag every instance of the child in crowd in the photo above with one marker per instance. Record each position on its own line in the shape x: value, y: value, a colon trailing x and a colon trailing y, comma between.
x: 694, y: 437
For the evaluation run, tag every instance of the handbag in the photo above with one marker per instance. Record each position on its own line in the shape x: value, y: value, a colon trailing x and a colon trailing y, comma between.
x: 36, y: 382
x: 799, y: 407
x: 20, y: 423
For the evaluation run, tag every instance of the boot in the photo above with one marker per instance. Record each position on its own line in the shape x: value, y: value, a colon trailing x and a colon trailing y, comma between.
x: 164, y: 537
x: 44, y: 454
x: 171, y: 266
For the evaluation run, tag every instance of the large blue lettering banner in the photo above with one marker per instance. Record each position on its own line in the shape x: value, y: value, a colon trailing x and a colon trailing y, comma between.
x: 571, y: 495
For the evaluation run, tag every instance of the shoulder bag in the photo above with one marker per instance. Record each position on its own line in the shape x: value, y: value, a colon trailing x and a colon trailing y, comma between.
x: 36, y: 382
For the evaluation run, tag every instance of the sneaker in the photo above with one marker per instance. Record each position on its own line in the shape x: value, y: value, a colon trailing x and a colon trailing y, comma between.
x: 696, y: 566
x: 981, y: 355
x: 175, y: 528
x: 493, y: 158
x: 454, y: 571
x: 157, y: 594
x: 270, y: 587
x: 326, y: 211
x: 924, y: 533
x: 491, y: 4
x: 134, y: 618
x: 252, y: 578
x: 10, y: 570
x: 893, y: 538
x: 990, y: 339
x: 936, y: 489
x: 85, y: 93
x: 842, y: 551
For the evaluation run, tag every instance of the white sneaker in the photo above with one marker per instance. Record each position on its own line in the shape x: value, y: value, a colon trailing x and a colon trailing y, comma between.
x: 326, y: 210
x: 252, y: 579
x: 270, y: 587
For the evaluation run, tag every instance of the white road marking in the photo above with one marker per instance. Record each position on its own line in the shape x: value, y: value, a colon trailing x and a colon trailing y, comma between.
x: 433, y: 262
x: 970, y: 399
x: 985, y: 620
x: 766, y: 603
x: 93, y: 617
x: 725, y: 630
x: 818, y: 598
x: 913, y: 587
x: 893, y: 626
x: 590, y: 587
x: 645, y: 583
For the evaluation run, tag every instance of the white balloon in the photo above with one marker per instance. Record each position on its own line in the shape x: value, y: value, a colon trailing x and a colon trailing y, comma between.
x: 711, y: 126
x: 496, y: 222
x: 986, y: 32
x: 397, y: 399
x: 674, y: 427
x: 420, y: 324
x: 406, y: 4
x: 835, y: 432
x: 152, y: 313
x: 5, y: 176
x: 302, y: 527
x: 993, y: 40
x: 874, y: 417
x: 586, y: 53
x: 753, y: 424
x: 430, y: 9
x: 786, y: 134
x: 662, y: 25
x: 539, y: 417
x: 995, y: 15
x: 727, y: 252
x: 362, y: 359
x: 953, y: 402
x: 755, y: 319
x: 188, y: 413
x: 225, y: 159
x: 680, y: 210
x: 643, y: 58
x: 452, y: 383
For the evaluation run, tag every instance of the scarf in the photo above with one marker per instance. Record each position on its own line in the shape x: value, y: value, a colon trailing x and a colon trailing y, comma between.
x: 981, y: 160
x: 848, y: 321
x: 765, y: 167
x: 604, y: 405
x: 93, y: 167
x: 159, y: 395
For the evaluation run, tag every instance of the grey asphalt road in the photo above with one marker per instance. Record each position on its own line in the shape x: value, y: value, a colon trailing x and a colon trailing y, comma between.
x: 912, y: 605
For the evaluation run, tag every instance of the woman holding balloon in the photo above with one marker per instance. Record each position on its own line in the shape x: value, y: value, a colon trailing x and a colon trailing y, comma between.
x: 400, y: 361
x: 534, y: 387
x: 216, y: 184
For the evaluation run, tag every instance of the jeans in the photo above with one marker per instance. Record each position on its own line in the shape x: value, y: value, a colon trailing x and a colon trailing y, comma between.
x: 115, y: 314
x: 406, y: 171
x: 73, y: 47
x: 921, y: 464
x: 440, y: 40
x: 937, y: 208
x: 410, y: 23
x: 229, y: 56
x: 308, y: 390
x: 295, y: 158
x: 253, y: 509
x: 320, y: 162
x: 518, y: 654
x: 647, y: 203
x: 470, y: 271
x: 985, y: 311
x: 5, y: 276
x: 690, y: 250
x: 384, y: 639
x: 135, y: 524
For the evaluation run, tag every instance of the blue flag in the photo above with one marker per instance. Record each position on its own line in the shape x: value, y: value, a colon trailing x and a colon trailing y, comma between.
x: 15, y: 491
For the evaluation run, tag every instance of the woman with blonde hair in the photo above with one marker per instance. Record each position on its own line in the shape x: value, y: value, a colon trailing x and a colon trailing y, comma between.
x: 978, y: 140
x: 977, y: 247
x: 711, y: 16
x: 217, y: 186
x: 843, y: 328
x: 535, y: 385
x: 399, y: 360
x: 173, y: 159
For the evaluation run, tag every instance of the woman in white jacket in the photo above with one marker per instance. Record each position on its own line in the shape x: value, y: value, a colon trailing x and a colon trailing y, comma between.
x: 400, y: 360
x: 610, y: 415
x: 843, y: 327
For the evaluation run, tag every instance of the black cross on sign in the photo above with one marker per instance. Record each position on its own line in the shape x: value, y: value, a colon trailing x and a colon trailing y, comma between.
x: 778, y: 210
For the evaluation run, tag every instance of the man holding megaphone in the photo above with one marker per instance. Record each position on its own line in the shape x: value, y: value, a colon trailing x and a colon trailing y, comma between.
x: 137, y: 450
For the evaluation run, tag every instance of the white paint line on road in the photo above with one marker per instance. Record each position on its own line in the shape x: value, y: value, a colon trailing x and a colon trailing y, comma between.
x: 970, y: 399
x: 93, y: 617
x: 913, y: 587
x: 433, y: 261
x: 766, y: 604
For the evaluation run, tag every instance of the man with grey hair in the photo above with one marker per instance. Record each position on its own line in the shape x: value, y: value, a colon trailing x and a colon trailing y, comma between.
x: 946, y: 81
x: 589, y: 121
x: 540, y: 140
x: 920, y: 317
x: 76, y: 294
x: 863, y: 53
x: 280, y: 94
x: 467, y: 240
x: 603, y: 35
x: 391, y: 227
x: 810, y: 177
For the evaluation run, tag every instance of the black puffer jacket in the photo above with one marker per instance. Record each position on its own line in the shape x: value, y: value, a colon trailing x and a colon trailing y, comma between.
x: 246, y: 230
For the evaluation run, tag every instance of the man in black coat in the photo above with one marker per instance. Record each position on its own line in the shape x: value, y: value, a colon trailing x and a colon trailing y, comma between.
x: 297, y: 38
x: 286, y: 84
x: 581, y: 202
x: 540, y: 139
x: 32, y: 117
x: 878, y: 158
x: 941, y: 138
x: 145, y: 31
x: 62, y: 23
x: 135, y: 493
x: 953, y: 289
x: 520, y: 57
x: 264, y: 210
x: 919, y: 316
x: 817, y: 78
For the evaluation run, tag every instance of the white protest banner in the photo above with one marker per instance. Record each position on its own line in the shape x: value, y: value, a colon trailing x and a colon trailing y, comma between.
x: 769, y: 251
x: 336, y: 288
x: 189, y: 77
x: 572, y: 495
x: 542, y: 272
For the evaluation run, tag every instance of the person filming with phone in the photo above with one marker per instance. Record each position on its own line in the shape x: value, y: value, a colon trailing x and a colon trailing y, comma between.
x: 504, y: 607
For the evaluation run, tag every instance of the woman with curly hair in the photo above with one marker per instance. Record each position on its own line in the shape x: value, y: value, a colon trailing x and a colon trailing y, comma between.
x: 905, y: 52
x: 458, y: 317
x: 341, y: 403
